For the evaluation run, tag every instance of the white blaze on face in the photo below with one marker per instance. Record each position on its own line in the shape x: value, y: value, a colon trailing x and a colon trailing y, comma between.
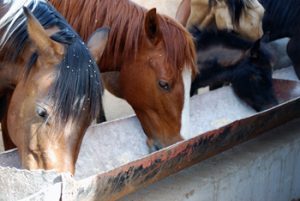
x: 51, y: 156
x: 69, y: 129
x: 185, y: 115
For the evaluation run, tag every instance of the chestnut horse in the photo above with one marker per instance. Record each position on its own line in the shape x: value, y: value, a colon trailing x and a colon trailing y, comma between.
x: 50, y: 88
x: 155, y: 58
x: 241, y: 16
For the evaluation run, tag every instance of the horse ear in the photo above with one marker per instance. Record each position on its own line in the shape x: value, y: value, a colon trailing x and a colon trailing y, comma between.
x: 97, y: 42
x: 152, y: 26
x: 183, y: 12
x: 40, y: 38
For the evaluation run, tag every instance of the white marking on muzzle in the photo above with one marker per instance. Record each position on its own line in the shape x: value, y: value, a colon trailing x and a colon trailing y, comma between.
x: 185, y: 115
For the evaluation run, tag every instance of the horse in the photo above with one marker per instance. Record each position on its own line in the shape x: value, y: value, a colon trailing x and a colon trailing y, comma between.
x: 282, y: 19
x: 242, y: 16
x: 224, y: 57
x: 50, y: 87
x: 154, y: 57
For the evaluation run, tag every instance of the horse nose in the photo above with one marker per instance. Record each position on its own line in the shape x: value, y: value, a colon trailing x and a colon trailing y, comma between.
x: 57, y: 161
x: 268, y: 105
x: 66, y: 164
x: 45, y: 161
x: 154, y: 145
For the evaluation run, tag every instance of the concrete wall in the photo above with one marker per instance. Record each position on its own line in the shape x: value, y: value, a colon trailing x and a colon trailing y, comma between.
x: 264, y: 169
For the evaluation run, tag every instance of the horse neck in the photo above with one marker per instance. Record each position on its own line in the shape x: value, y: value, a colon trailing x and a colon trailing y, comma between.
x: 283, y: 17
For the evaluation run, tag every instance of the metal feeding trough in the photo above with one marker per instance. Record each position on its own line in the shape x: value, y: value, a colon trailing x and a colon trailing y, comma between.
x: 114, y: 158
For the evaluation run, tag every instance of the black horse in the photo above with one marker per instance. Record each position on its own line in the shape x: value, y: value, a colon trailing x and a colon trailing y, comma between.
x: 224, y: 57
x: 282, y: 19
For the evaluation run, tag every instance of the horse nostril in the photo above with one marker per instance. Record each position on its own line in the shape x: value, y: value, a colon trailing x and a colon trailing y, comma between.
x: 154, y: 145
x: 267, y: 106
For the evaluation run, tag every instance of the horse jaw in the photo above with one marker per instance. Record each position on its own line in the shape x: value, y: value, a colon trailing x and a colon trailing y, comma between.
x: 185, y: 115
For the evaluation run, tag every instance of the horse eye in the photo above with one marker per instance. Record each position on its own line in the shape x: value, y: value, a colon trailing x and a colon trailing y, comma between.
x: 42, y: 112
x: 164, y: 85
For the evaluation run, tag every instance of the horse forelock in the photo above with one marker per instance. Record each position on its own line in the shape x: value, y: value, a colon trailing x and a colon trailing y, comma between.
x: 179, y: 45
x: 126, y: 22
x: 77, y: 86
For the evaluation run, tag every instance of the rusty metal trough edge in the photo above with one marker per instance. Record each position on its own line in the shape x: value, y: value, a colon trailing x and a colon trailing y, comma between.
x: 125, y: 179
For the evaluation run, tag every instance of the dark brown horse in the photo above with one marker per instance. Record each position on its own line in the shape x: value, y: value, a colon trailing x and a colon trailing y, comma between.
x: 155, y: 58
x: 224, y: 57
x: 49, y: 84
x: 282, y: 19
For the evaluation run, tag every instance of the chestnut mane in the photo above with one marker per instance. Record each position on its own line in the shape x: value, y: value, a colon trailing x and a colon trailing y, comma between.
x: 126, y: 21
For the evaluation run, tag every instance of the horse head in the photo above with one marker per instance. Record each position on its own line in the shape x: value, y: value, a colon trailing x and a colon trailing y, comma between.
x: 254, y: 82
x: 56, y: 89
x: 224, y: 57
x: 157, y: 83
x: 154, y: 57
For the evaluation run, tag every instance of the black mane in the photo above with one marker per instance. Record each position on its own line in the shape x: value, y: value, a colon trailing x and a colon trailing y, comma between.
x: 235, y: 7
x: 77, y: 86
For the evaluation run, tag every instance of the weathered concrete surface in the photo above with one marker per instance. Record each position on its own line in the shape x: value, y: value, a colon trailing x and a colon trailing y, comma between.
x: 278, y: 48
x: 264, y: 169
x: 110, y: 145
x: 286, y: 73
x: 10, y: 159
x: 16, y: 184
